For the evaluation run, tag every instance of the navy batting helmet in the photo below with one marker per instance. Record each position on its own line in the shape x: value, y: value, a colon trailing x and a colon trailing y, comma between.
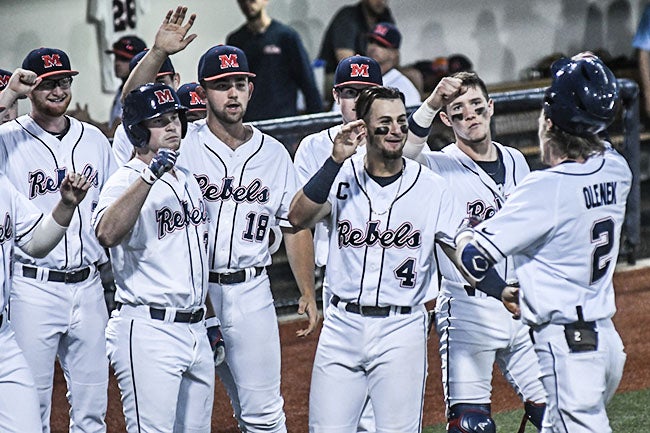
x: 148, y: 102
x: 583, y: 97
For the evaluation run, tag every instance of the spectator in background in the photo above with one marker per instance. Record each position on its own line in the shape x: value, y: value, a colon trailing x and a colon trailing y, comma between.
x: 278, y: 57
x: 383, y: 46
x: 347, y: 32
x: 124, y: 50
x: 642, y: 43
x: 11, y: 112
x: 196, y: 109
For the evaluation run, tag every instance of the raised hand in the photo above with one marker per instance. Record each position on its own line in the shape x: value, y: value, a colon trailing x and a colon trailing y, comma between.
x: 448, y: 89
x: 172, y: 34
x: 352, y: 134
x: 73, y: 189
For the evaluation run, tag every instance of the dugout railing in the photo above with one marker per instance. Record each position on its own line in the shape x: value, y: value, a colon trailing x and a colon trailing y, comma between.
x: 513, y: 124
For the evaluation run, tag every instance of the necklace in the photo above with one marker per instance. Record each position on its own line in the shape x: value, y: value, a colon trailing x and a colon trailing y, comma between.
x: 399, y: 187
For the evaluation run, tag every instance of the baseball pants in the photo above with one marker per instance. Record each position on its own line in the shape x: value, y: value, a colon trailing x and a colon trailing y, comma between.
x: 67, y: 321
x: 165, y: 371
x: 19, y: 409
x: 251, y: 370
x: 475, y: 332
x: 579, y: 385
x: 381, y: 357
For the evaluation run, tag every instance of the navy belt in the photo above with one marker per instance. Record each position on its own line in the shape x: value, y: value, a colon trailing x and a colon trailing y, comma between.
x: 370, y: 310
x: 233, y: 277
x: 76, y: 276
x: 179, y: 316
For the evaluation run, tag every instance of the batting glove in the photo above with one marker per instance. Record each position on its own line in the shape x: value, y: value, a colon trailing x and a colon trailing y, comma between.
x: 161, y: 163
x: 216, y: 340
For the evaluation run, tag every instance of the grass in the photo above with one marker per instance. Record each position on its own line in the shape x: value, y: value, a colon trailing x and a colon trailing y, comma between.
x: 627, y: 412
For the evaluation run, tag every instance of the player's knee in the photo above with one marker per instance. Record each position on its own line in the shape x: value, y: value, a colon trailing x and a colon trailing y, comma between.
x: 470, y: 418
x: 535, y: 413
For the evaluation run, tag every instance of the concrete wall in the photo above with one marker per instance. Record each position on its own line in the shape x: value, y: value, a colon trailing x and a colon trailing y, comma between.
x: 502, y: 37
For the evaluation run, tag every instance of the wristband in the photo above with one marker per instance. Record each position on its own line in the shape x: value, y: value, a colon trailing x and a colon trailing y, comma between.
x: 147, y: 175
x: 421, y: 119
x: 318, y: 187
x: 492, y: 284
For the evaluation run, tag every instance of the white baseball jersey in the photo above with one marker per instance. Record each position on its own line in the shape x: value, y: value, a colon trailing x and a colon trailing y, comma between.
x: 122, y: 147
x: 170, y: 232
x: 478, y: 195
x: 394, y: 78
x: 246, y: 190
x: 563, y: 225
x: 36, y: 162
x: 381, y: 249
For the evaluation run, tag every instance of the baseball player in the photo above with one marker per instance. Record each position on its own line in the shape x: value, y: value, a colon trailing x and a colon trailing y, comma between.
x: 153, y: 217
x: 122, y: 147
x: 474, y: 329
x: 381, y: 269
x: 352, y: 75
x: 10, y: 111
x: 248, y: 180
x: 27, y: 228
x: 562, y: 226
x: 57, y: 302
x: 190, y: 98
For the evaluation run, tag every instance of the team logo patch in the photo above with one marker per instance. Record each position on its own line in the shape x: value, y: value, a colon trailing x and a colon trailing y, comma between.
x: 228, y: 61
x: 359, y: 70
x: 51, y: 60
x: 164, y: 95
x: 195, y: 99
x: 4, y: 80
x: 380, y: 29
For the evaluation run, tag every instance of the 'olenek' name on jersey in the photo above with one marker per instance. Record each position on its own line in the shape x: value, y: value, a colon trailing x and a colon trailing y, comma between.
x: 600, y: 194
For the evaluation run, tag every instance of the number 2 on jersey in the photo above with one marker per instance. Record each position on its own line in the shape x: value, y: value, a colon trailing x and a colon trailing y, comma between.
x: 256, y: 227
x: 602, y: 234
x: 405, y: 272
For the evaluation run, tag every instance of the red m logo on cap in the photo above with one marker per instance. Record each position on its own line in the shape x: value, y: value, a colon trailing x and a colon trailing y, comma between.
x: 4, y: 80
x: 51, y: 60
x: 228, y: 61
x: 359, y: 70
x: 164, y: 95
x: 195, y: 100
x: 382, y: 30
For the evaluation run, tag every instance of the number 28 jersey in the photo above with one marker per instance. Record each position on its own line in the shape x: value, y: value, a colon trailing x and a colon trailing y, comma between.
x: 563, y: 226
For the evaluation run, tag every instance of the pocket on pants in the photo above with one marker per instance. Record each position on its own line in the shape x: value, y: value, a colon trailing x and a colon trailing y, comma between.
x: 581, y: 380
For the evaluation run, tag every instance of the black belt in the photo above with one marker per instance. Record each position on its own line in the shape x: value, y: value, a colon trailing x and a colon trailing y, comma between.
x: 180, y: 316
x: 76, y: 276
x: 2, y: 317
x: 370, y: 310
x: 233, y: 277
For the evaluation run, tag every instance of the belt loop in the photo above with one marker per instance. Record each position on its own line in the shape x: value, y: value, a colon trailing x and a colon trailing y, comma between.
x: 170, y: 314
x: 250, y: 273
x: 42, y: 274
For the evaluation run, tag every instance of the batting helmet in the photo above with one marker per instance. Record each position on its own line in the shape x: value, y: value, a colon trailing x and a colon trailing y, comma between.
x: 148, y: 102
x: 583, y: 97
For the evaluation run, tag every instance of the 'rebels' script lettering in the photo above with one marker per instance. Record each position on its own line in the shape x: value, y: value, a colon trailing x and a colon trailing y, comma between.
x: 6, y: 230
x: 255, y: 192
x: 403, y: 236
x: 41, y: 184
x: 171, y: 220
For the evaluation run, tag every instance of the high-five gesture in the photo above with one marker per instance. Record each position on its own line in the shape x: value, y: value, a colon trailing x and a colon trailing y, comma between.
x: 348, y: 139
x: 172, y: 34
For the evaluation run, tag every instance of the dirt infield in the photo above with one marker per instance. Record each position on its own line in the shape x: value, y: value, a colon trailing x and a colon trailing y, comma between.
x: 633, y: 317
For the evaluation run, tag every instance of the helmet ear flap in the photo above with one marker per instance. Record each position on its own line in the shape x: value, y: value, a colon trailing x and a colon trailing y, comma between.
x: 182, y: 115
x: 138, y: 135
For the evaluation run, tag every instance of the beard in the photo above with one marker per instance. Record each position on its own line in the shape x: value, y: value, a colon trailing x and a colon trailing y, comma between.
x: 391, y: 154
x: 45, y: 108
x: 227, y: 118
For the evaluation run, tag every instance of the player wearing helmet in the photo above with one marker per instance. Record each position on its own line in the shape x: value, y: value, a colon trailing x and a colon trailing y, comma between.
x: 554, y: 220
x: 153, y: 217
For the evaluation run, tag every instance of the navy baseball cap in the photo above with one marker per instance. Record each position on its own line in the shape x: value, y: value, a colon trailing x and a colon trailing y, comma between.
x: 223, y: 61
x: 127, y: 47
x: 166, y: 69
x: 386, y: 35
x: 189, y: 98
x: 4, y: 78
x: 358, y: 70
x: 48, y: 62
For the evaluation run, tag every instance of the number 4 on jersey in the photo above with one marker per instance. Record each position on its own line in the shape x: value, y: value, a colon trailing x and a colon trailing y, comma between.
x: 405, y: 272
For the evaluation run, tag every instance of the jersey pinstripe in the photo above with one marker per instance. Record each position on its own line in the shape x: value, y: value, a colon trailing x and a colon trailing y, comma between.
x: 246, y: 190
x: 387, y: 235
x: 567, y: 257
x: 36, y: 162
x: 174, y: 214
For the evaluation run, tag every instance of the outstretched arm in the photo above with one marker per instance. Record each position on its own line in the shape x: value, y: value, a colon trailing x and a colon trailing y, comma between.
x: 310, y: 204
x: 171, y: 38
